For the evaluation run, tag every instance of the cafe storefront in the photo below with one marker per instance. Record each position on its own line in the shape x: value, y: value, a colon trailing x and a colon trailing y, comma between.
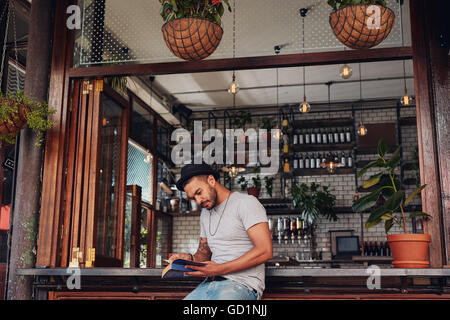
x: 108, y: 206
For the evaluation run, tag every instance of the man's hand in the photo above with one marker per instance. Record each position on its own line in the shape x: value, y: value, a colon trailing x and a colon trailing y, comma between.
x: 208, y: 270
x: 185, y: 256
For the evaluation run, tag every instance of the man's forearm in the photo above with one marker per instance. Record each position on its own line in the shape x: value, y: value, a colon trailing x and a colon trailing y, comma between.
x: 251, y: 258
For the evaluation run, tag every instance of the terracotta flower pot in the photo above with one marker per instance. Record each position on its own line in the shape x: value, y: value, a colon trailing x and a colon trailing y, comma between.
x: 409, y: 250
x: 192, y: 38
x: 253, y: 191
x: 350, y: 26
x: 18, y: 122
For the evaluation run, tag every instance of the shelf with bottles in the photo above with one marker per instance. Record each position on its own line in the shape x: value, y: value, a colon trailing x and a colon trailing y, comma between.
x: 304, y: 164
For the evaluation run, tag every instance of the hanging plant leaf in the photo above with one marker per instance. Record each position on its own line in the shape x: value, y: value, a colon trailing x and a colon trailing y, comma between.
x: 373, y: 180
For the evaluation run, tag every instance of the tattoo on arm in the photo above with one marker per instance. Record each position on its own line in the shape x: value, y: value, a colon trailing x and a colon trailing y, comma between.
x: 203, y: 252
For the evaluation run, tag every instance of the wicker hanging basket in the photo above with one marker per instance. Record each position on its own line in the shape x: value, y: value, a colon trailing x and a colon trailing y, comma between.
x: 349, y: 25
x: 17, y: 122
x: 192, y: 38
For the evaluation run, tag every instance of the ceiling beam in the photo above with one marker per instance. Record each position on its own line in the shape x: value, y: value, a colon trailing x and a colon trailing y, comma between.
x: 262, y: 62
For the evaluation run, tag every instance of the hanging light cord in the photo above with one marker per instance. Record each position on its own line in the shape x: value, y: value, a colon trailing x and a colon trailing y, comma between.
x: 234, y: 36
x: 360, y: 91
x: 303, y: 51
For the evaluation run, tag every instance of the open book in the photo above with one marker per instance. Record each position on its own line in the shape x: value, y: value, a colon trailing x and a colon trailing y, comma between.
x: 176, y: 268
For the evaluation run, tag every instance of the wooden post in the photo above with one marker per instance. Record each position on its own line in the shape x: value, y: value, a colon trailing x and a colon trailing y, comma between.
x: 27, y: 199
x: 431, y: 81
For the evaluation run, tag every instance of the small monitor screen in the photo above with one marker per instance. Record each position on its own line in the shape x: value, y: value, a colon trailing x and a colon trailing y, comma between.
x: 347, y: 244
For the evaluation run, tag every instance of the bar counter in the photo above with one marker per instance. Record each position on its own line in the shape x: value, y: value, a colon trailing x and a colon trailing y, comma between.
x: 281, y: 283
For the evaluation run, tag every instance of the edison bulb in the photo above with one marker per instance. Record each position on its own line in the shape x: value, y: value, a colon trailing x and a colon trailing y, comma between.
x: 406, y: 100
x: 234, y: 87
x: 304, y: 107
x: 331, y: 167
x: 277, y: 134
x: 233, y: 172
x: 362, y: 130
x: 346, y: 72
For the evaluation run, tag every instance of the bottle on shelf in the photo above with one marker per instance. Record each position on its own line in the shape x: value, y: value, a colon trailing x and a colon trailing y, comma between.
x: 324, y: 137
x: 370, y: 248
x: 366, y: 248
x: 301, y: 162
x: 299, y: 227
x: 318, y: 137
x: 293, y: 229
x: 280, y: 228
x: 323, y: 158
x: 382, y: 250
x: 388, y: 249
x: 313, y: 136
x: 295, y: 161
x: 330, y: 136
x: 295, y: 138
x: 307, y: 162
x: 341, y: 136
x: 349, y: 160
x: 348, y: 135
x: 318, y: 160
x: 286, y: 228
x: 343, y: 159
x: 312, y: 162
x: 307, y: 137
x: 335, y: 135
x: 301, y: 137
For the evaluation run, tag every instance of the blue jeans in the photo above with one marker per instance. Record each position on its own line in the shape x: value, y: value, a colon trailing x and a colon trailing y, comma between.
x: 222, y: 290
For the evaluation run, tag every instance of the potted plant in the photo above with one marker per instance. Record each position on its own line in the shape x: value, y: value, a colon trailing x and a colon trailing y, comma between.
x: 240, y: 121
x: 18, y: 110
x: 243, y: 183
x: 268, y: 124
x: 268, y: 183
x: 192, y: 28
x: 358, y: 25
x: 312, y: 201
x: 408, y: 250
x: 255, y: 187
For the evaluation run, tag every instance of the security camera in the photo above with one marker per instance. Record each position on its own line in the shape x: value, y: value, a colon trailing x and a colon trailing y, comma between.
x: 277, y: 49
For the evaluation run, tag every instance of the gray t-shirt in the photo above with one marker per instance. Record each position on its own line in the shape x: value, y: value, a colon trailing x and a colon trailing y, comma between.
x: 231, y: 239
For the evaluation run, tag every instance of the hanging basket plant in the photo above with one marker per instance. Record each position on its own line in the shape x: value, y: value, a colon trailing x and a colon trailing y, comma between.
x: 18, y: 110
x: 361, y: 24
x: 192, y: 28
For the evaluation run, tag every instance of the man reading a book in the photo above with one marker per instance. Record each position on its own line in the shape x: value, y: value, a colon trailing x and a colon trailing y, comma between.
x: 234, y: 238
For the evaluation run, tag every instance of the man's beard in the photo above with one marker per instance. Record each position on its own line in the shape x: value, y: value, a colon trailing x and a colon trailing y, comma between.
x: 210, y: 203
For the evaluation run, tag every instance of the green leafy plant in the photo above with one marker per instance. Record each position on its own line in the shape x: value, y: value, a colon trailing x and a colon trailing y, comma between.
x: 313, y: 200
x: 268, y: 183
x: 338, y: 4
x: 36, y: 114
x: 256, y: 182
x: 243, y: 183
x: 212, y: 10
x: 241, y: 119
x: 267, y: 123
x: 389, y: 188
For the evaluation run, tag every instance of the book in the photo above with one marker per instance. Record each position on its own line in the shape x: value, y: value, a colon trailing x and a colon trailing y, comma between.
x: 176, y: 268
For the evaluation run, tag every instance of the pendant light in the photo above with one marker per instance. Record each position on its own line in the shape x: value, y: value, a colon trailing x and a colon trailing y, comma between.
x: 362, y: 130
x: 345, y: 72
x: 234, y: 87
x: 277, y: 135
x: 233, y: 170
x: 405, y: 100
x: 330, y: 163
x: 304, y: 107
